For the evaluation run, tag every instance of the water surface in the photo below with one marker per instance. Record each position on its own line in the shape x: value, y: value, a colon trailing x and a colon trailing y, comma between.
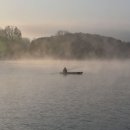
x: 34, y: 96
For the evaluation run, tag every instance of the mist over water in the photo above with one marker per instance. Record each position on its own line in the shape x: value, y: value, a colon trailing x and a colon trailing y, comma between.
x: 34, y: 96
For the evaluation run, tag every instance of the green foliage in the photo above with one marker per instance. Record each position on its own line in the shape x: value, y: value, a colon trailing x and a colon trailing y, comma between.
x: 3, y: 49
x: 63, y: 45
x: 79, y: 46
x: 13, y: 33
x: 12, y: 45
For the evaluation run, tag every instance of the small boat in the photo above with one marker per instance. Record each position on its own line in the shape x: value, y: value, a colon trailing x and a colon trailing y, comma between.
x: 74, y: 73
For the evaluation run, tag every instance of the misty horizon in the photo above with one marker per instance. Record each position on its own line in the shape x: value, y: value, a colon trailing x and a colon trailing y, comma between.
x: 64, y: 65
x: 37, y: 32
x: 34, y: 32
x: 44, y: 18
x: 62, y: 44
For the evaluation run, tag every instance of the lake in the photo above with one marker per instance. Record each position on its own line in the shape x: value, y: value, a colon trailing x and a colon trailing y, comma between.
x: 34, y: 96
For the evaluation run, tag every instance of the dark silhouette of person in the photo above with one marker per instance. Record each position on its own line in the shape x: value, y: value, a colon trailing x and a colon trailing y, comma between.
x: 65, y: 70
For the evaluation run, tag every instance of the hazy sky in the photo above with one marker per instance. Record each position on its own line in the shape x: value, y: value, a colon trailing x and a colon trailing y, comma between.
x: 45, y: 17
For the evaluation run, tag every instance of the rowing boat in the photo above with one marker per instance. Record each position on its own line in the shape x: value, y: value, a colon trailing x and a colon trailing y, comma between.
x: 74, y: 73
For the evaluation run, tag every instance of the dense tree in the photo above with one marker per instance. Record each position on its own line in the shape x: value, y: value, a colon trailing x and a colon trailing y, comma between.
x: 12, y: 44
x: 2, y: 33
x: 13, y: 33
x: 80, y: 46
x: 62, y: 45
x: 62, y: 33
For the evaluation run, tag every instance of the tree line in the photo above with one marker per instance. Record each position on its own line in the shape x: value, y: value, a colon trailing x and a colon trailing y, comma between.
x: 12, y: 44
x: 63, y: 44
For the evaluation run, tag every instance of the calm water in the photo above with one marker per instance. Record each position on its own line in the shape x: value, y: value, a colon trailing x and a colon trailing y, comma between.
x: 34, y: 96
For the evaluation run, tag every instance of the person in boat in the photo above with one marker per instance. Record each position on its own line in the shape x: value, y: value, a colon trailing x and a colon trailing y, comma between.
x: 65, y: 70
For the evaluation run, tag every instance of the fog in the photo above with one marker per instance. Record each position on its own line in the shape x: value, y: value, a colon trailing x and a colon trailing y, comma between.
x: 34, y: 95
x: 85, y: 65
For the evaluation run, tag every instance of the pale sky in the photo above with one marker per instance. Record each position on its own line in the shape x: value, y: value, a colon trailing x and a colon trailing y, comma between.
x: 45, y: 17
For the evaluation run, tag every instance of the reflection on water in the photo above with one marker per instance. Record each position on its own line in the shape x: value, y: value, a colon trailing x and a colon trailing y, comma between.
x: 34, y: 96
